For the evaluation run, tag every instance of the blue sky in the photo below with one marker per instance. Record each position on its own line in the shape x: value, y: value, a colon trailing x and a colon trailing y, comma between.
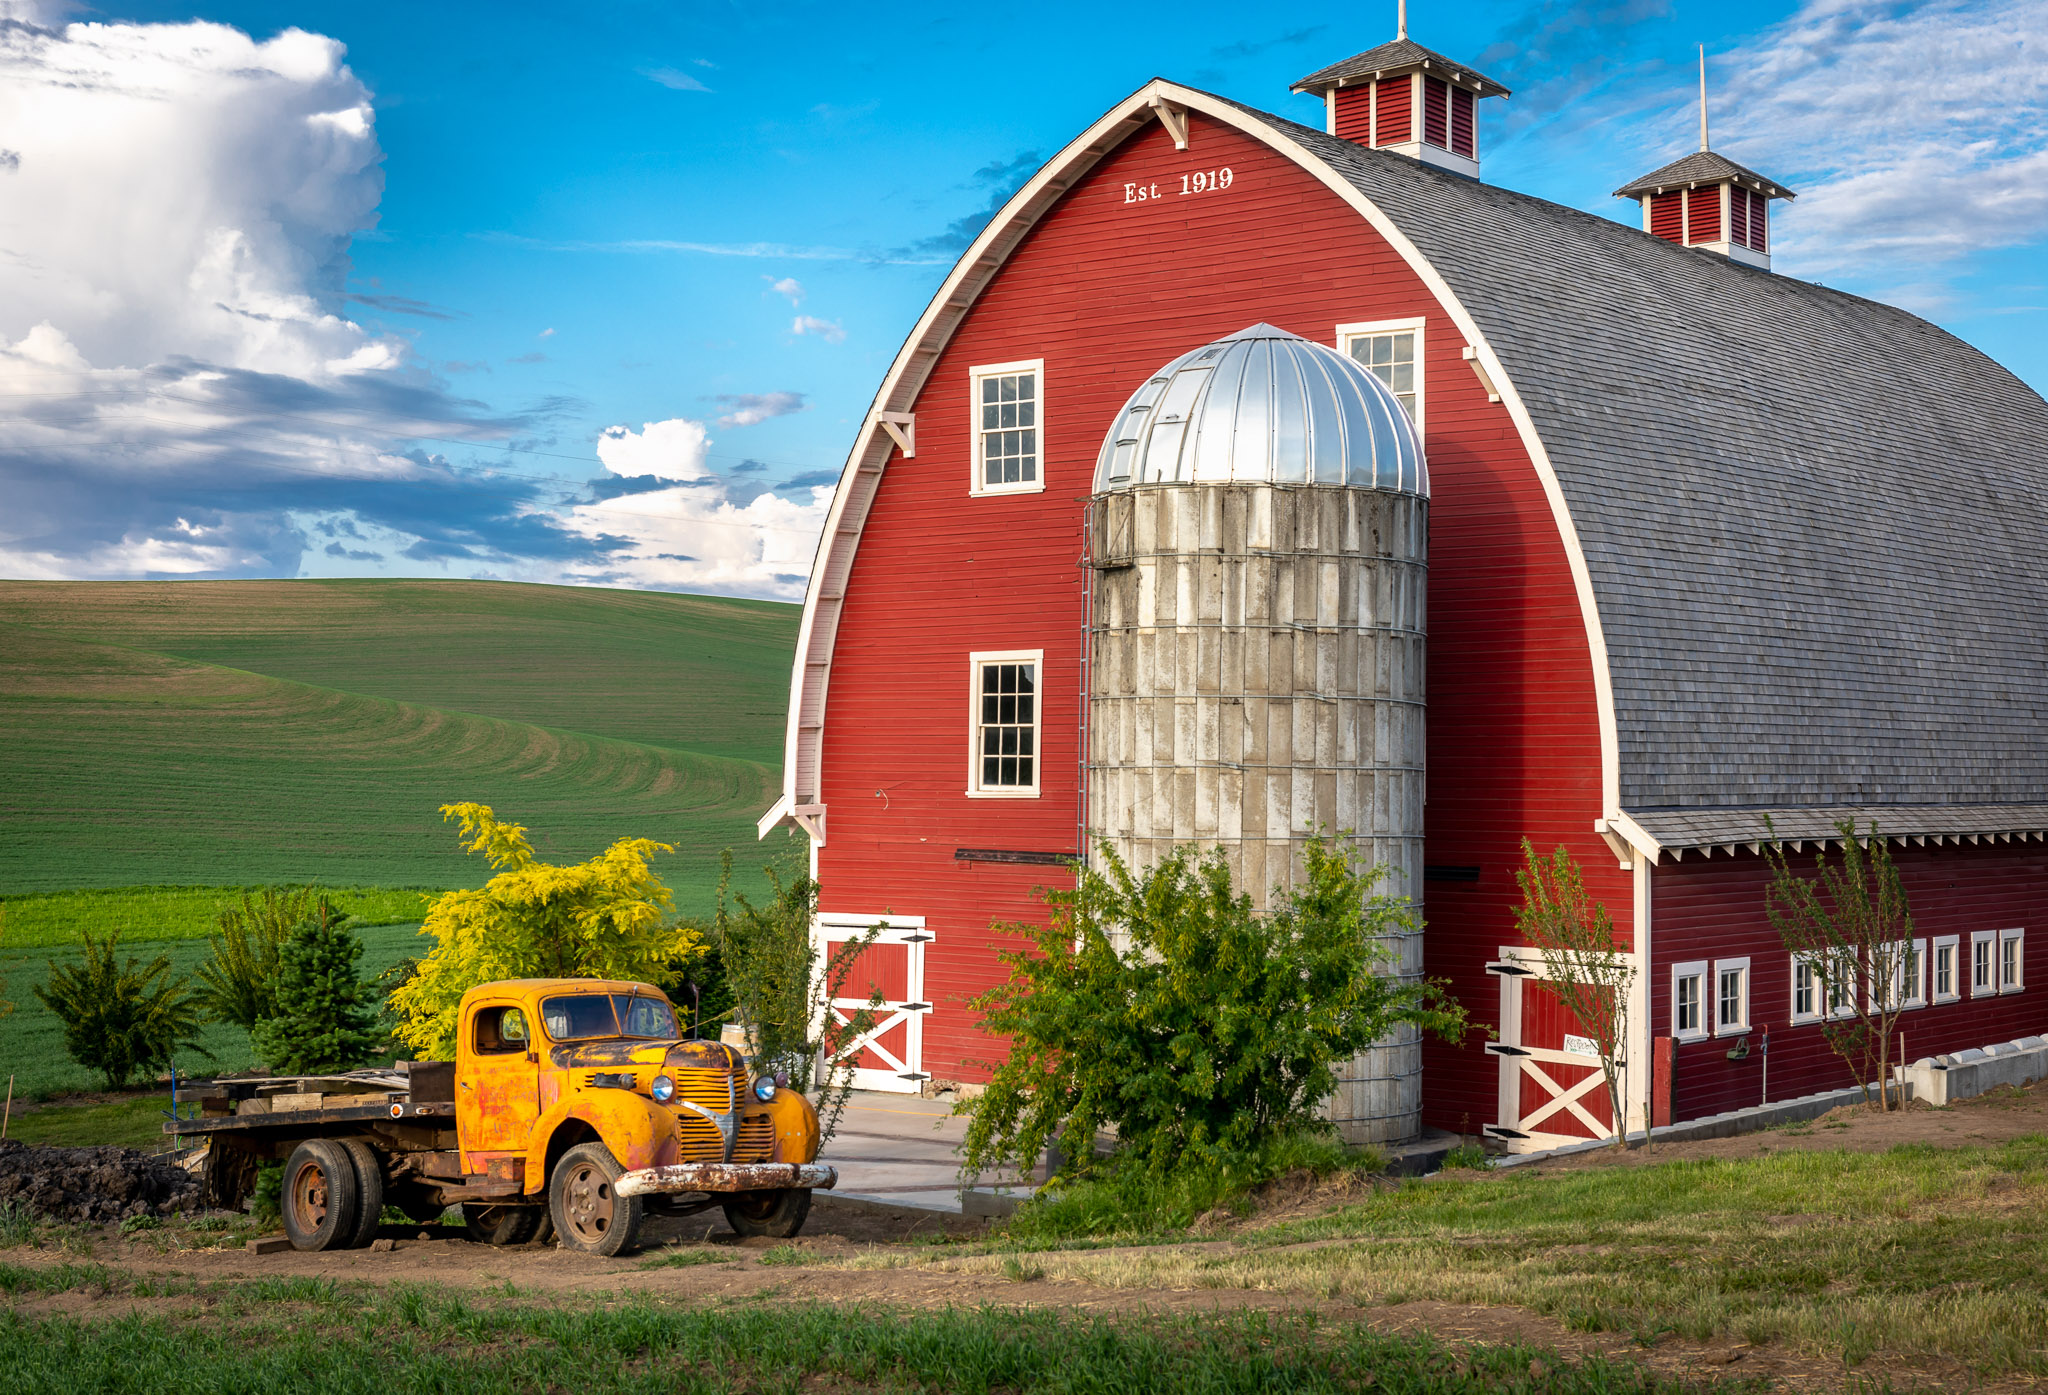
x: 393, y: 346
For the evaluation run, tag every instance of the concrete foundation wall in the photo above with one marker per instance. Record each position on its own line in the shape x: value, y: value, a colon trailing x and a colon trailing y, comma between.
x: 1940, y: 1079
x: 1256, y: 671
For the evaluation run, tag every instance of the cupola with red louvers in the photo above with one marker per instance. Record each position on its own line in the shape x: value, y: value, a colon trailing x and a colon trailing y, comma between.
x: 1402, y: 97
x: 1708, y: 201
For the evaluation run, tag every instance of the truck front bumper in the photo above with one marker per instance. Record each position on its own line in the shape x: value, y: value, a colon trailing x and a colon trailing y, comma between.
x: 724, y: 1177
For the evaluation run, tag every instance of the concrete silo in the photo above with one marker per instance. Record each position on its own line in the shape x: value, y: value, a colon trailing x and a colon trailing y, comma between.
x: 1259, y: 538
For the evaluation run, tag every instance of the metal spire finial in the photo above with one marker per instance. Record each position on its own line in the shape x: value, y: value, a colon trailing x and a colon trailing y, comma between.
x: 1403, y: 30
x: 1703, y: 95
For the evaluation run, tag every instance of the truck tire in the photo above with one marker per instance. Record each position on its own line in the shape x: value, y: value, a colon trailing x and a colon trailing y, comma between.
x: 778, y: 1214
x: 319, y: 1199
x: 493, y: 1224
x: 369, y: 1191
x: 588, y: 1215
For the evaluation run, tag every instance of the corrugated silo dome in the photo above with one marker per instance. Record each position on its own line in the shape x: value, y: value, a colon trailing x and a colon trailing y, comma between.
x: 1263, y: 406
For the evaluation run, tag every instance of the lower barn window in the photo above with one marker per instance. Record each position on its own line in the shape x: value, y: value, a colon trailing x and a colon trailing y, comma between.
x: 1805, y: 990
x: 1983, y: 963
x: 1947, y: 969
x: 1731, y: 996
x: 2011, y: 961
x: 1006, y: 714
x: 1688, y: 1000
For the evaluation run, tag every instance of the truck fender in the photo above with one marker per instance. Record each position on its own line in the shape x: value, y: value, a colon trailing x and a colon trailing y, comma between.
x: 639, y: 1132
x: 795, y: 1123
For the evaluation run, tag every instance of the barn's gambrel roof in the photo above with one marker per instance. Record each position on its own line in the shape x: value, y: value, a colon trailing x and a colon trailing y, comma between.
x: 1805, y: 527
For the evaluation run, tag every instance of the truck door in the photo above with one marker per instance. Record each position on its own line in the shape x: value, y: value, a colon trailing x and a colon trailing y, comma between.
x: 497, y: 1082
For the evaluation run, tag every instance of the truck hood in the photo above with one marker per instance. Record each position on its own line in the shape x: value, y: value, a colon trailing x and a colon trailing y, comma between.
x: 614, y: 1052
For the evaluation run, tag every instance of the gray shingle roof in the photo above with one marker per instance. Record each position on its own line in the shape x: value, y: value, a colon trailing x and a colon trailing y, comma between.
x: 1695, y: 828
x: 1700, y: 167
x: 1394, y: 57
x: 1814, y: 523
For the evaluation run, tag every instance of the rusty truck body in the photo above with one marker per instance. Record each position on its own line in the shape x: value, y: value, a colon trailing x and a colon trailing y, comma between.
x: 573, y: 1106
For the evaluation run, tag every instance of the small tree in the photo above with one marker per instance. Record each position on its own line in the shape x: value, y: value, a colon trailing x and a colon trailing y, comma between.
x: 1851, y: 924
x: 1218, y: 1029
x: 323, y: 1011
x: 605, y: 918
x: 121, y: 1021
x: 239, y: 983
x: 1590, y: 977
x: 782, y: 994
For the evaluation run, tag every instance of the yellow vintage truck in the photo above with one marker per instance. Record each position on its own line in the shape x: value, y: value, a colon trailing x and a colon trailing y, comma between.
x: 574, y: 1107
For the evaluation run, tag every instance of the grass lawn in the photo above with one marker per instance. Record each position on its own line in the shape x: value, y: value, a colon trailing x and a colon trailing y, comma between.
x: 315, y: 1334
x: 39, y: 920
x: 32, y: 1039
x: 1920, y: 1251
x: 133, y: 1121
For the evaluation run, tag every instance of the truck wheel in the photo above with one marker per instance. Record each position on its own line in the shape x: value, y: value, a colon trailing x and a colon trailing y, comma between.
x: 319, y: 1201
x: 590, y: 1216
x: 778, y: 1215
x: 499, y: 1225
x: 369, y: 1191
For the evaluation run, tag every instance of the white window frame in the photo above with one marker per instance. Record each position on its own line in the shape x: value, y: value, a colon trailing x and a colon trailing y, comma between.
x: 1988, y: 939
x: 1731, y: 1029
x: 1953, y: 944
x: 1363, y: 328
x: 2016, y: 981
x: 1845, y: 982
x: 975, y: 661
x: 1694, y: 969
x: 978, y: 474
x: 1820, y: 1006
x: 1914, y: 994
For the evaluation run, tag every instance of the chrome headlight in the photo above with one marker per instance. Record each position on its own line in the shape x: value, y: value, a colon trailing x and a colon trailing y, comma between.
x: 764, y: 1089
x: 663, y: 1089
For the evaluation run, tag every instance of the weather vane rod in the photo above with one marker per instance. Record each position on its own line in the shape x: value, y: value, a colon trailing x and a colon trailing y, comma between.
x: 1703, y: 89
x: 1404, y: 21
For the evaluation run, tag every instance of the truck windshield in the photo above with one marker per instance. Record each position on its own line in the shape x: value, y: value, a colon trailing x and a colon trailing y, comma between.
x: 616, y: 1015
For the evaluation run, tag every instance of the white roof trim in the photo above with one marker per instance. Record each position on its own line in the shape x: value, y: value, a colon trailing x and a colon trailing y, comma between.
x: 811, y: 674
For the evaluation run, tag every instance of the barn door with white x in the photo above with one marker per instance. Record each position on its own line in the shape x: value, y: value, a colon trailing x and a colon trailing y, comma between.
x: 1552, y: 1090
x: 889, y: 1055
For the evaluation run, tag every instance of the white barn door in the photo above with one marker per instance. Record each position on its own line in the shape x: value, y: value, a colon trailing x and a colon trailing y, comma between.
x: 890, y: 1054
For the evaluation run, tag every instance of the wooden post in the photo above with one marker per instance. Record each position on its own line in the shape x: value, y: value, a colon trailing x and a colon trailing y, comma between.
x: 7, y: 1112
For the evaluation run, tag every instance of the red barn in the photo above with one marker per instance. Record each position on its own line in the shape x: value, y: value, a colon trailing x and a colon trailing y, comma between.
x: 1704, y: 543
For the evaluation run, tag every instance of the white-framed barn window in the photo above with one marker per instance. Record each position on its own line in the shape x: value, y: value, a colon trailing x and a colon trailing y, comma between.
x: 1004, y: 758
x: 1983, y: 963
x: 2012, y: 961
x: 1391, y: 350
x: 1731, y: 997
x: 1911, y: 967
x: 1009, y: 426
x: 1947, y: 968
x: 1840, y: 988
x: 1689, y: 1000
x: 1806, y: 989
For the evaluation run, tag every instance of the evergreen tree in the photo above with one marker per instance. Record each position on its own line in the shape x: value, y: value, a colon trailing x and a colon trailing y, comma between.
x: 325, y: 1011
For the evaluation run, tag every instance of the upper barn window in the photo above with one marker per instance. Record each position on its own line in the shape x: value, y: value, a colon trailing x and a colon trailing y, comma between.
x: 1005, y: 724
x: 1391, y: 350
x: 1009, y: 426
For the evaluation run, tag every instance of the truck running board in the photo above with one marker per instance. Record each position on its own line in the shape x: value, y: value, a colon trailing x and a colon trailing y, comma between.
x: 724, y: 1177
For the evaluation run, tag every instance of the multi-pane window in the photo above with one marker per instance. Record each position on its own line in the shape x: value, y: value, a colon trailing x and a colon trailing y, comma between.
x: 1688, y: 1000
x: 1947, y: 985
x: 1008, y: 425
x: 1731, y: 996
x: 2011, y: 961
x: 1805, y: 990
x: 1911, y: 989
x: 1391, y: 352
x: 1006, y: 724
x: 1983, y: 967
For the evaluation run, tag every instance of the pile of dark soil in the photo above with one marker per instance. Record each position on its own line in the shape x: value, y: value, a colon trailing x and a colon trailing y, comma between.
x: 93, y: 1185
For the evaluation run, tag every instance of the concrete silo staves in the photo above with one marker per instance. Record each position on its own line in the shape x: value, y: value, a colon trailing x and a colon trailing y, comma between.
x: 1258, y: 535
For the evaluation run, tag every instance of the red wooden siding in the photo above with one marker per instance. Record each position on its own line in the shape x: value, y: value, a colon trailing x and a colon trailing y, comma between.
x: 1756, y: 231
x: 1397, y: 108
x: 1436, y: 113
x: 1464, y: 139
x: 1667, y: 216
x: 1546, y: 1023
x: 1714, y: 909
x: 1105, y: 291
x: 1354, y: 113
x: 1703, y: 215
x: 1738, y: 215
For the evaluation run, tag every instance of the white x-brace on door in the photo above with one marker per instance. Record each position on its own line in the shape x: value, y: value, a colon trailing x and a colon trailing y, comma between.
x: 890, y: 1054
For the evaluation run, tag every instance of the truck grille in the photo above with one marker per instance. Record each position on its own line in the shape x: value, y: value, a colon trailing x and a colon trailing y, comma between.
x: 697, y: 1138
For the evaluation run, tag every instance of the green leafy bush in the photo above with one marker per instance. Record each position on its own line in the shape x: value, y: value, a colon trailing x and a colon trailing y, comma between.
x: 324, y: 1012
x: 1216, y: 1030
x: 121, y: 1021
x: 239, y: 984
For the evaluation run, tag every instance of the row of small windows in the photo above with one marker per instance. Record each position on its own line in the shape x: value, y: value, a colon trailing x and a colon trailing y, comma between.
x: 1712, y: 997
x: 1009, y: 402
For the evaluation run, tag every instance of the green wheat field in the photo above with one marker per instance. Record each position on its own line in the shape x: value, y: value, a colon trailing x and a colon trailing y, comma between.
x: 163, y: 744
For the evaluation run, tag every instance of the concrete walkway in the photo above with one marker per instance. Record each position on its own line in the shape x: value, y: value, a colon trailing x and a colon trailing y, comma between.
x: 900, y: 1149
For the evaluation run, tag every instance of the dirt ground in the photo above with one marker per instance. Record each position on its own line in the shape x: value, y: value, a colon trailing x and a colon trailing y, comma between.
x: 1986, y: 1121
x: 697, y: 1259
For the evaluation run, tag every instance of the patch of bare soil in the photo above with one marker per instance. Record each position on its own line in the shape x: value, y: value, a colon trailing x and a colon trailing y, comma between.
x: 2003, y: 1114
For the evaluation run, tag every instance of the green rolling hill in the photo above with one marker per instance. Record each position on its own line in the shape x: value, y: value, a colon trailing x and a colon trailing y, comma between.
x: 224, y: 733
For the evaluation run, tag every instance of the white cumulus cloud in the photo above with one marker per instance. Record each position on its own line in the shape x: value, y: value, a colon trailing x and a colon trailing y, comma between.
x: 828, y: 330
x: 752, y: 408
x: 697, y: 539
x: 671, y: 450
x: 788, y: 286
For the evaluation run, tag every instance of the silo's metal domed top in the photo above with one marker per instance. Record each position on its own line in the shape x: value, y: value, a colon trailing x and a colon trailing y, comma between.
x: 1267, y: 406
